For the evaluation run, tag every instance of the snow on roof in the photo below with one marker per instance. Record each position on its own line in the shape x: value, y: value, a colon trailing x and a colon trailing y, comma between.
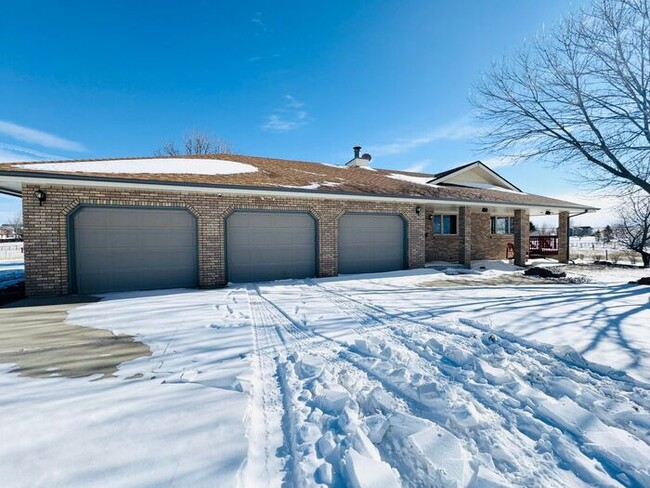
x: 193, y: 166
x: 420, y: 180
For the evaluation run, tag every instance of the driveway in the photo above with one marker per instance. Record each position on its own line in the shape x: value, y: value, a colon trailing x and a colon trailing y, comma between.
x: 359, y: 381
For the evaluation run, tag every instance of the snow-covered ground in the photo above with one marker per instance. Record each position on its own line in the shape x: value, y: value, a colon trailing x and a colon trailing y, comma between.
x: 364, y: 381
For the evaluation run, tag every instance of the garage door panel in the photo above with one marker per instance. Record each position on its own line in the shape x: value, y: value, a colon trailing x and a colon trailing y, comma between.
x: 119, y: 249
x: 370, y: 243
x: 263, y: 246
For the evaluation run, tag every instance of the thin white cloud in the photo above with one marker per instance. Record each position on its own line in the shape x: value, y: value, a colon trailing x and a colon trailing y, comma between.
x: 290, y: 116
x: 40, y: 138
x: 258, y: 22
x: 418, y: 167
x: 459, y: 129
x: 10, y: 153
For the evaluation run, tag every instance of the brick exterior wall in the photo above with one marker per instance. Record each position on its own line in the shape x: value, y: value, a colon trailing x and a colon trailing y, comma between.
x: 46, y: 228
x: 440, y: 247
x: 486, y: 245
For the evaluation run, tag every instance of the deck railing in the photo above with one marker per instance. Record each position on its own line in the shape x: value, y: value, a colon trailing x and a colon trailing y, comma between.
x: 543, y: 245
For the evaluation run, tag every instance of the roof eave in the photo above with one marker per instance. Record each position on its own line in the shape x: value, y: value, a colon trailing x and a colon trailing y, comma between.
x: 41, y: 177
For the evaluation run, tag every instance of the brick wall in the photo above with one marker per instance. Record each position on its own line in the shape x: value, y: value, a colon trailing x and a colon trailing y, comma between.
x: 485, y: 245
x: 46, y: 228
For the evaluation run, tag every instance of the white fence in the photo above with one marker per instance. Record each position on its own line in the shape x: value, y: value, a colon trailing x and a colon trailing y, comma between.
x: 11, y: 250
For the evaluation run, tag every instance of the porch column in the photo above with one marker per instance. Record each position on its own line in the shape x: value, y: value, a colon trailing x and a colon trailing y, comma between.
x: 465, y: 236
x: 563, y: 237
x: 522, y: 236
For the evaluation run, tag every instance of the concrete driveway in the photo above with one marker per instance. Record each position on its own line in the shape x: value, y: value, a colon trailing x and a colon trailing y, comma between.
x: 35, y: 337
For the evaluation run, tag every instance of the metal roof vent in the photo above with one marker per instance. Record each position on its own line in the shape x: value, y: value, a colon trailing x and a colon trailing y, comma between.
x: 359, y: 161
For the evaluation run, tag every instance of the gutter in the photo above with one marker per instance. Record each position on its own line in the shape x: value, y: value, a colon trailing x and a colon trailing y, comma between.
x: 104, y: 181
x: 11, y: 193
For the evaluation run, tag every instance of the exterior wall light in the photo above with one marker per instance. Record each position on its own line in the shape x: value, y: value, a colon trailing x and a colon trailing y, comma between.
x: 418, y: 209
x: 484, y: 210
x: 41, y: 196
x: 548, y: 212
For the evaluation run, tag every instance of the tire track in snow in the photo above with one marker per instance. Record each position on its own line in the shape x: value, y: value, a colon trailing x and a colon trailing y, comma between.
x: 614, y: 461
x: 266, y: 436
x: 415, y: 406
x: 339, y: 358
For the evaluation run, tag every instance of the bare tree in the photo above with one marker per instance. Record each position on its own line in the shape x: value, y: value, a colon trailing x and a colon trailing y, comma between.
x: 580, y: 95
x: 16, y: 223
x: 633, y: 229
x: 195, y: 143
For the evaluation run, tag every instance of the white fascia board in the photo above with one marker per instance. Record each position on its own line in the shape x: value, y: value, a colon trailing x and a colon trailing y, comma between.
x: 482, y: 167
x: 35, y: 180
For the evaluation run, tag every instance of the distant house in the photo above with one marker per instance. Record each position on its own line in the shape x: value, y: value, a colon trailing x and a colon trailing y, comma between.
x: 7, y: 232
x: 581, y: 231
x: 146, y: 223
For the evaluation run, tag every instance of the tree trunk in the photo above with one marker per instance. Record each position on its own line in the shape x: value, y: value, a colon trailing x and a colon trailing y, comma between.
x: 646, y: 259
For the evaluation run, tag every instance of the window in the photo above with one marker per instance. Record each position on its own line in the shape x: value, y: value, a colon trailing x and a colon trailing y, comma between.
x: 502, y: 225
x: 445, y: 224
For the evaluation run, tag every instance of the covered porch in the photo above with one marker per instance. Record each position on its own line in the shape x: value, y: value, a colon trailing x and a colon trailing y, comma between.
x: 460, y: 234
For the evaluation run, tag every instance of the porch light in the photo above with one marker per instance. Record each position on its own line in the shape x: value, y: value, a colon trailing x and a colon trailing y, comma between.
x: 548, y: 212
x: 418, y: 209
x: 41, y: 196
x: 484, y: 210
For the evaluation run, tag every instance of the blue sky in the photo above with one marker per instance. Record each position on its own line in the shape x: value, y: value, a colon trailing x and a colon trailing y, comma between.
x: 298, y: 80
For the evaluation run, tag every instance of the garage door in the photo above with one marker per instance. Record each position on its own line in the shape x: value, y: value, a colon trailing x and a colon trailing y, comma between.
x: 371, y: 243
x: 264, y: 246
x: 120, y: 249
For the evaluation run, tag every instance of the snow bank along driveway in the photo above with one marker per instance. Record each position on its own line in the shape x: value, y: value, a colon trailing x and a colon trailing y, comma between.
x: 325, y: 383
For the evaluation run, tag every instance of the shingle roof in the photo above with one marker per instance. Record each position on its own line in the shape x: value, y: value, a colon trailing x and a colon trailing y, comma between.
x: 281, y: 174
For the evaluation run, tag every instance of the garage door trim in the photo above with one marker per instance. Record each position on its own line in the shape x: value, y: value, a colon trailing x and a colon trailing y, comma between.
x: 70, y: 236
x: 405, y: 234
x: 270, y: 210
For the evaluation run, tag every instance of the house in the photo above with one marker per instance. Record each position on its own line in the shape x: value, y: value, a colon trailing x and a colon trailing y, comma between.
x: 147, y: 223
x: 6, y: 232
x: 581, y: 231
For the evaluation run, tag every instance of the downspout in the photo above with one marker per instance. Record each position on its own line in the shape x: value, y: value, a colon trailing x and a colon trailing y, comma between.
x: 568, y: 230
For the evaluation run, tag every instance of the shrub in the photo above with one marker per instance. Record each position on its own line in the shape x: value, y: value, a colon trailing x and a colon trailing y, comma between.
x: 615, y: 257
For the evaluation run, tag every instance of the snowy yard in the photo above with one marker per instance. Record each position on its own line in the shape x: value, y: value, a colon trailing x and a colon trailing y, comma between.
x: 377, y: 380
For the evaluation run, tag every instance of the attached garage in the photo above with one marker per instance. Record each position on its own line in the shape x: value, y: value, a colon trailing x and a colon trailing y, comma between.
x: 273, y: 245
x: 371, y: 243
x: 121, y: 249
